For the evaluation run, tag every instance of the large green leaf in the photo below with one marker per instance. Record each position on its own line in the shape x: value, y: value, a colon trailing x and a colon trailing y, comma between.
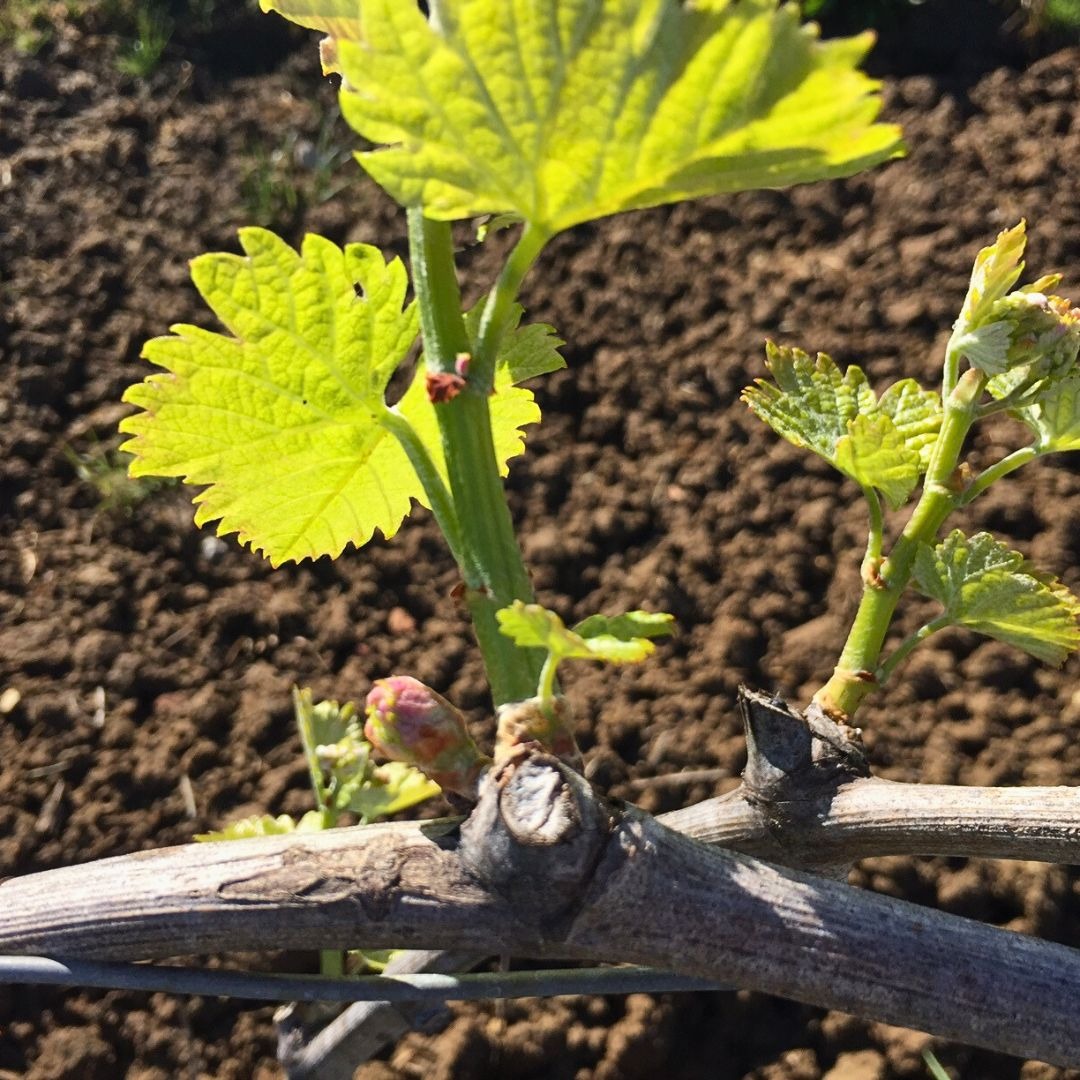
x: 561, y: 112
x: 985, y: 586
x: 282, y: 419
x: 883, y: 444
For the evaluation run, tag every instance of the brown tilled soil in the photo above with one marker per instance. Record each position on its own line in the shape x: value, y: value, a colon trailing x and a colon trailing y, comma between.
x: 145, y: 655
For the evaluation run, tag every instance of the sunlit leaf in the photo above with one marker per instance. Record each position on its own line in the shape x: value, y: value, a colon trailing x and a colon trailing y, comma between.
x: 340, y: 758
x: 985, y: 586
x: 338, y: 18
x: 634, y: 624
x: 997, y: 269
x: 810, y: 402
x: 916, y: 415
x: 283, y: 419
x: 561, y: 113
x: 280, y: 420
x: 391, y: 788
x: 526, y: 351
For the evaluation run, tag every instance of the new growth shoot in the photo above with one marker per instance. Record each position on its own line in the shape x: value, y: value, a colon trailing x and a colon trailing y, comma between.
x: 1012, y: 350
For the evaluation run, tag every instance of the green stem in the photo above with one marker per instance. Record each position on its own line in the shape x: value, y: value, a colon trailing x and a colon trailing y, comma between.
x: 490, y: 558
x: 854, y: 676
x: 331, y: 963
x: 1006, y: 465
x: 302, y: 711
x: 547, y: 686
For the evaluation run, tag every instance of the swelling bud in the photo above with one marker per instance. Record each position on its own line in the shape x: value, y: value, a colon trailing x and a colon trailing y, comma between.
x: 407, y: 721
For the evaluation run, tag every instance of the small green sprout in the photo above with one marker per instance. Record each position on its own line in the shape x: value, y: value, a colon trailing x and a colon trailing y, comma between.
x: 622, y: 639
x: 344, y: 779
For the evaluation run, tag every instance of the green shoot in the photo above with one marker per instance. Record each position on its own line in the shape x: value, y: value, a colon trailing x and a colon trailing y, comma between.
x: 1012, y: 349
x: 573, y: 113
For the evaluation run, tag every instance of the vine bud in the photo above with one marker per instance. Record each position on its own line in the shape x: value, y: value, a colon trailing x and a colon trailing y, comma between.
x: 538, y: 722
x: 407, y: 721
x: 1044, y: 330
x: 1028, y: 333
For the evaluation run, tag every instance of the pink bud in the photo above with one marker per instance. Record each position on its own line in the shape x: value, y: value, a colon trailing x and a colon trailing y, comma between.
x: 407, y: 721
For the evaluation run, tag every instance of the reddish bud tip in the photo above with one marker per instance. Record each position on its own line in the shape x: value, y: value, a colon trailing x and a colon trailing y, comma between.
x: 407, y: 721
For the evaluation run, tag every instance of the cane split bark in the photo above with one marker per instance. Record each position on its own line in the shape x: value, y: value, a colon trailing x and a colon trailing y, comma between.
x: 547, y: 868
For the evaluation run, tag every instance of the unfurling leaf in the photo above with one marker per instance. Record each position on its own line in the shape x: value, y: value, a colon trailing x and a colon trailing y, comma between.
x: 283, y: 420
x: 525, y: 351
x: 561, y: 113
x: 997, y: 269
x: 985, y: 586
x: 339, y: 761
x: 1016, y: 337
x: 390, y: 788
x: 883, y: 444
x: 634, y: 624
x: 620, y: 640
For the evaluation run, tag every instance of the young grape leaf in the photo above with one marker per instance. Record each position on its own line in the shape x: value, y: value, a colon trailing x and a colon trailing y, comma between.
x: 339, y: 759
x: 1055, y: 417
x: 283, y: 420
x: 1016, y: 337
x: 873, y: 453
x: 561, y: 113
x: 997, y: 269
x: 526, y: 351
x: 389, y: 789
x: 634, y: 624
x: 916, y: 415
x: 267, y: 825
x: 338, y: 18
x: 985, y: 586
x: 882, y: 444
x: 620, y: 640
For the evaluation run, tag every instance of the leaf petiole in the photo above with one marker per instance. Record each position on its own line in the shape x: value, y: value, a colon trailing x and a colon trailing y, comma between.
x: 904, y: 649
x: 499, y: 303
x: 988, y: 476
x: 442, y: 502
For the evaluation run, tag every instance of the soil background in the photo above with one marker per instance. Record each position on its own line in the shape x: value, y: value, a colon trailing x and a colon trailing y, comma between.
x: 153, y: 662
